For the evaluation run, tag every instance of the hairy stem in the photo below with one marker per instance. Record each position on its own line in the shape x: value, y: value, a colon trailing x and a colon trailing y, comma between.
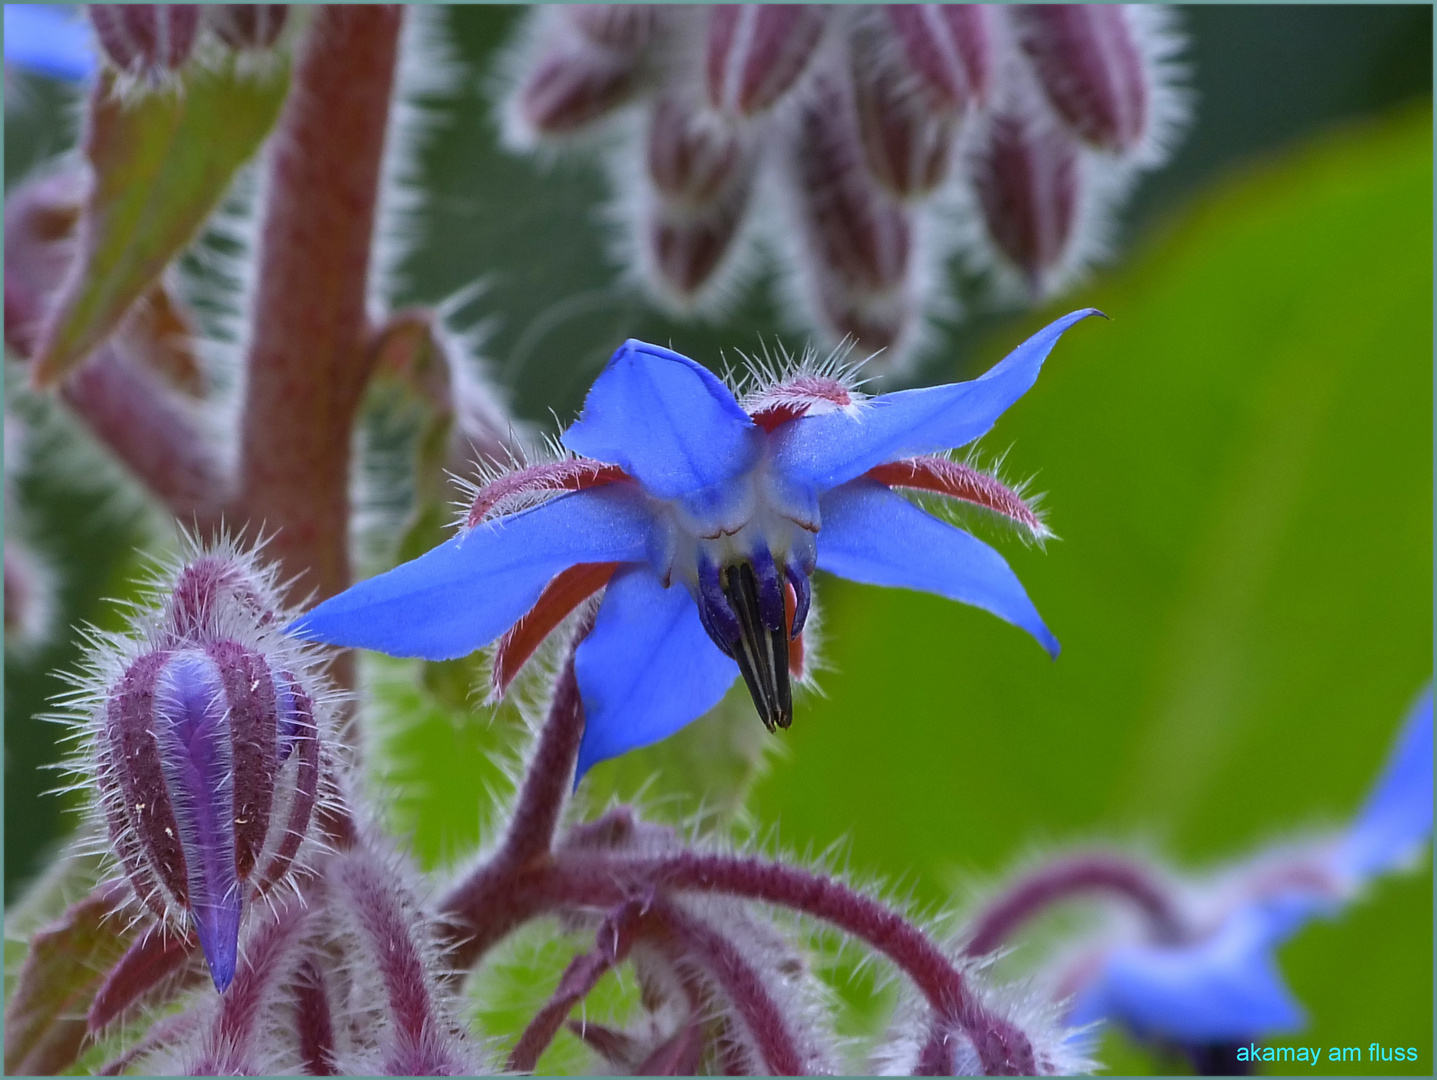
x: 741, y: 984
x: 550, y: 773
x: 612, y: 943
x: 482, y: 910
x: 308, y: 361
x: 1068, y: 879
x: 127, y: 410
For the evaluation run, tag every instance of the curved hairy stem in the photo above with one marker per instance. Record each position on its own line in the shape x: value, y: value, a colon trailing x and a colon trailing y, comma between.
x: 481, y: 911
x: 1067, y: 879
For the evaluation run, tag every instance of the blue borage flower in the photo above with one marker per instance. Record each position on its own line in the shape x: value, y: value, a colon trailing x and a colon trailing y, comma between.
x: 1223, y: 987
x: 704, y: 522
x: 49, y: 41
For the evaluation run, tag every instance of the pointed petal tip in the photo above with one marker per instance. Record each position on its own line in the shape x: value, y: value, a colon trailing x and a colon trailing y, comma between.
x: 217, y: 927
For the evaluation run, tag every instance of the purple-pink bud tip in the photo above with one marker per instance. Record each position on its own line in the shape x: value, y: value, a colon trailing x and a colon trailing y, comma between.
x: 146, y: 38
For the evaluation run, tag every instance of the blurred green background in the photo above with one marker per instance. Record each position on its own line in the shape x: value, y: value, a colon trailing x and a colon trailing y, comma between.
x: 1238, y: 466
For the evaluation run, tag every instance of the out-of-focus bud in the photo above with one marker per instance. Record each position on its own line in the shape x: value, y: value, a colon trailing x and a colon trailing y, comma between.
x: 248, y: 26
x: 147, y: 39
x: 584, y: 65
x: 907, y: 132
x: 624, y: 27
x: 755, y: 53
x: 852, y: 226
x: 207, y: 752
x: 856, y: 250
x: 1091, y: 69
x: 949, y: 46
x: 1028, y: 179
x: 701, y: 172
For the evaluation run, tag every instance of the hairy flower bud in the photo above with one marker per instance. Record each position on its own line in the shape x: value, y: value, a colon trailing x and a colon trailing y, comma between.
x: 856, y: 255
x: 618, y: 26
x: 701, y: 174
x: 755, y: 53
x: 1027, y: 178
x: 207, y: 751
x: 1089, y: 64
x: 582, y: 65
x: 146, y: 39
x: 248, y: 26
x: 907, y: 132
x: 949, y: 46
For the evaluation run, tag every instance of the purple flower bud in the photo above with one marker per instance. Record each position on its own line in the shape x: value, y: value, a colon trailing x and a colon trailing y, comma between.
x: 852, y: 228
x: 624, y: 27
x: 701, y: 174
x: 207, y: 587
x: 1027, y: 179
x: 693, y: 156
x: 856, y: 251
x: 907, y: 132
x: 580, y: 65
x: 1089, y: 64
x: 570, y: 88
x: 146, y: 38
x: 755, y: 53
x: 208, y: 754
x: 949, y: 46
x: 248, y: 26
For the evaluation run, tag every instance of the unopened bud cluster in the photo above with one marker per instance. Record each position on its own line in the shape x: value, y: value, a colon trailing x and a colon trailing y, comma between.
x: 153, y: 40
x: 206, y: 750
x: 867, y: 145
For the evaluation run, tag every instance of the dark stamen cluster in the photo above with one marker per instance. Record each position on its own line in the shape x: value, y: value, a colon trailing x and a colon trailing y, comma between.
x: 742, y: 608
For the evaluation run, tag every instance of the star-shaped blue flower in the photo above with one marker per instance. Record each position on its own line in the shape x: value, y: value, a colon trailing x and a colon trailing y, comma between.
x: 704, y: 522
x: 49, y: 40
x: 1224, y: 987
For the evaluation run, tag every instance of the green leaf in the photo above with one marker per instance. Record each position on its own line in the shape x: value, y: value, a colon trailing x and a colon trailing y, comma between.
x: 161, y: 162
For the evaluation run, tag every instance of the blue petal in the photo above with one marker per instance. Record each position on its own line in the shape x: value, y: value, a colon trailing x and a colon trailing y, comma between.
x: 825, y: 451
x: 648, y: 668
x: 48, y: 41
x: 871, y: 535
x: 466, y: 592
x: 1223, y: 988
x: 1397, y: 818
x: 667, y: 421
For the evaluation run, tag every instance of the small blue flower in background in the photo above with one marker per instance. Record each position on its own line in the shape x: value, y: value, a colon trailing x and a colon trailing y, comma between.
x: 49, y: 40
x: 1224, y: 988
x: 704, y: 519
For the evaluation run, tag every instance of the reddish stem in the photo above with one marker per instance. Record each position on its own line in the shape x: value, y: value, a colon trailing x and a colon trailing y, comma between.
x: 234, y: 1046
x: 126, y: 409
x: 308, y: 361
x: 612, y: 943
x: 485, y: 908
x: 549, y: 776
x: 1067, y: 880
x: 741, y: 984
x: 313, y: 1021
